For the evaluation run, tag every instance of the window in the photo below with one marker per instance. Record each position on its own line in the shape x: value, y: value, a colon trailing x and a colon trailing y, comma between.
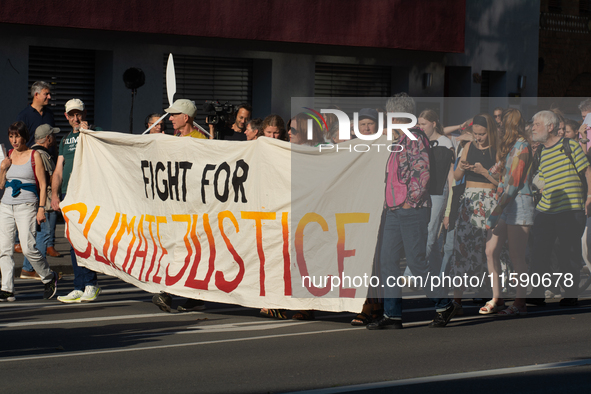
x: 351, y: 80
x: 200, y: 78
x: 71, y: 73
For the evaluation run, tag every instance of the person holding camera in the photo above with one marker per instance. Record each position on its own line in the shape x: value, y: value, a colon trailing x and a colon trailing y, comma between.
x: 220, y: 129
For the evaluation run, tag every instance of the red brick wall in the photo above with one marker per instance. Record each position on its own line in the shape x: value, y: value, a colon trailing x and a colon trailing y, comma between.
x: 429, y: 25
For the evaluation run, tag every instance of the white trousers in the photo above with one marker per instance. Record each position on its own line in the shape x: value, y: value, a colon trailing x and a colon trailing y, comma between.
x: 24, y: 218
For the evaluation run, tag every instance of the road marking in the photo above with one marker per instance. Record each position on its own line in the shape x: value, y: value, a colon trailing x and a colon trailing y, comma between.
x: 449, y: 377
x: 160, y: 347
x: 237, y: 309
x: 227, y: 327
x: 111, y: 318
x: 45, y: 305
x: 103, y: 291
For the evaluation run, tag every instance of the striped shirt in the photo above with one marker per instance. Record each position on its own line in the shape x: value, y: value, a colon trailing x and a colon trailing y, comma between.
x: 562, y: 185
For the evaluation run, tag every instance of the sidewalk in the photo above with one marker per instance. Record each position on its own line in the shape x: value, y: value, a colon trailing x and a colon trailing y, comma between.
x: 62, y: 264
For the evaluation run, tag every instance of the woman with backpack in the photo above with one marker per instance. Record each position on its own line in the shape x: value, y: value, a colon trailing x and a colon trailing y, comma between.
x: 477, y: 202
x: 443, y: 153
x: 514, y: 214
x: 22, y: 207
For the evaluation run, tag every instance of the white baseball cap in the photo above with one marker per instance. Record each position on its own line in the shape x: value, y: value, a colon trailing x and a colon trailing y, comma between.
x: 74, y: 104
x: 182, y: 106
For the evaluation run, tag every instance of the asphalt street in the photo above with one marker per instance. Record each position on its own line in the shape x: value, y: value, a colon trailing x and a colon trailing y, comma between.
x: 122, y: 343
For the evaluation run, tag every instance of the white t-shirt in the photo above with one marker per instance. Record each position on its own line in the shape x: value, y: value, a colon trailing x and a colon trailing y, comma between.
x: 444, y: 141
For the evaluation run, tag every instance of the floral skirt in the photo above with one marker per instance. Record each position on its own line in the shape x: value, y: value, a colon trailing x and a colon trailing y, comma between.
x: 476, y: 204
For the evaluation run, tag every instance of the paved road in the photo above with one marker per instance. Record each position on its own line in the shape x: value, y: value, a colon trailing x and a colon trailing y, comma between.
x: 124, y: 344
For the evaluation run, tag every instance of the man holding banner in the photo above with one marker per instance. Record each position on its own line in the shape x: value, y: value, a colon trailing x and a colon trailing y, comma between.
x: 182, y: 112
x: 85, y: 281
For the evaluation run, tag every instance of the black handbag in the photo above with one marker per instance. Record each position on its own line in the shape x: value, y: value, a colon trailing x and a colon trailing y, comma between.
x: 457, y: 192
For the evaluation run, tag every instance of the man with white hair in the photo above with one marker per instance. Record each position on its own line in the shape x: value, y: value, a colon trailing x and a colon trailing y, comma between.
x: 562, y: 209
x: 405, y: 225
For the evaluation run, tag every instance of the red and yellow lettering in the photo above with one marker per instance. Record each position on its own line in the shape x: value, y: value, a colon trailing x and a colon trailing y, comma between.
x: 310, y: 217
x: 81, y: 208
x: 157, y: 278
x: 124, y: 228
x: 286, y: 258
x: 139, y: 253
x: 202, y: 284
x: 342, y: 253
x: 258, y: 218
x: 150, y: 219
x: 171, y: 280
x: 220, y: 281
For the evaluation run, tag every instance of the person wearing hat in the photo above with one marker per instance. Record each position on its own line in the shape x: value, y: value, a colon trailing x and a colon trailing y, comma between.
x: 182, y: 112
x: 368, y: 121
x: 44, y: 140
x: 85, y: 281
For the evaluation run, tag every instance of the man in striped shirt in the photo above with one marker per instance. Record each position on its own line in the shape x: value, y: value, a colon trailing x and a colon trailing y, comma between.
x: 562, y: 209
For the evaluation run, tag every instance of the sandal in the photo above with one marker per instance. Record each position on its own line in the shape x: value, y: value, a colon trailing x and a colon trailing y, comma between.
x: 273, y: 313
x: 362, y: 319
x: 490, y: 307
x: 304, y: 315
x: 512, y: 311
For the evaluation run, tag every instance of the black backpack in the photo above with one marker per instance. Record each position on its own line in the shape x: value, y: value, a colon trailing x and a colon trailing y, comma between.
x: 569, y: 153
x: 440, y: 159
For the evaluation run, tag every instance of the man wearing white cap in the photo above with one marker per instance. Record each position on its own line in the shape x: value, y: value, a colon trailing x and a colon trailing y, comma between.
x: 44, y: 140
x: 85, y: 280
x: 182, y: 112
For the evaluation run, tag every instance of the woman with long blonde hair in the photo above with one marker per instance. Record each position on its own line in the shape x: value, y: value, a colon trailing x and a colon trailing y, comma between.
x: 514, y: 214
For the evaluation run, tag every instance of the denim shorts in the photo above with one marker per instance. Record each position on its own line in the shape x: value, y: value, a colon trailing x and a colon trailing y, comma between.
x: 520, y: 212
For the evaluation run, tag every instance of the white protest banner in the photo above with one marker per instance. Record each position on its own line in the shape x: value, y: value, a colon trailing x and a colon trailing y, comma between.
x: 225, y: 221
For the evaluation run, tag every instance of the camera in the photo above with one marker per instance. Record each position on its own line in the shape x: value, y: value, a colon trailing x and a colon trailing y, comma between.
x: 218, y: 114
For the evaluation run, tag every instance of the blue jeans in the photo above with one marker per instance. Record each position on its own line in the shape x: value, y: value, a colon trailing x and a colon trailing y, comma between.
x: 41, y: 243
x: 408, y: 229
x: 82, y: 276
x: 433, y: 250
x: 52, y: 219
x: 448, y: 251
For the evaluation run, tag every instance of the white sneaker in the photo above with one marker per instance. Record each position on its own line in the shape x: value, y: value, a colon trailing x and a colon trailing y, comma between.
x: 71, y: 298
x: 90, y: 293
x: 550, y: 294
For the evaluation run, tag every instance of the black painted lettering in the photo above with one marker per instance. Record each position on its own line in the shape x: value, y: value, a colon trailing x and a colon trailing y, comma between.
x: 162, y: 194
x: 145, y: 164
x: 173, y: 180
x: 238, y: 181
x: 222, y: 197
x: 185, y: 165
x: 204, y: 180
x: 152, y: 178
